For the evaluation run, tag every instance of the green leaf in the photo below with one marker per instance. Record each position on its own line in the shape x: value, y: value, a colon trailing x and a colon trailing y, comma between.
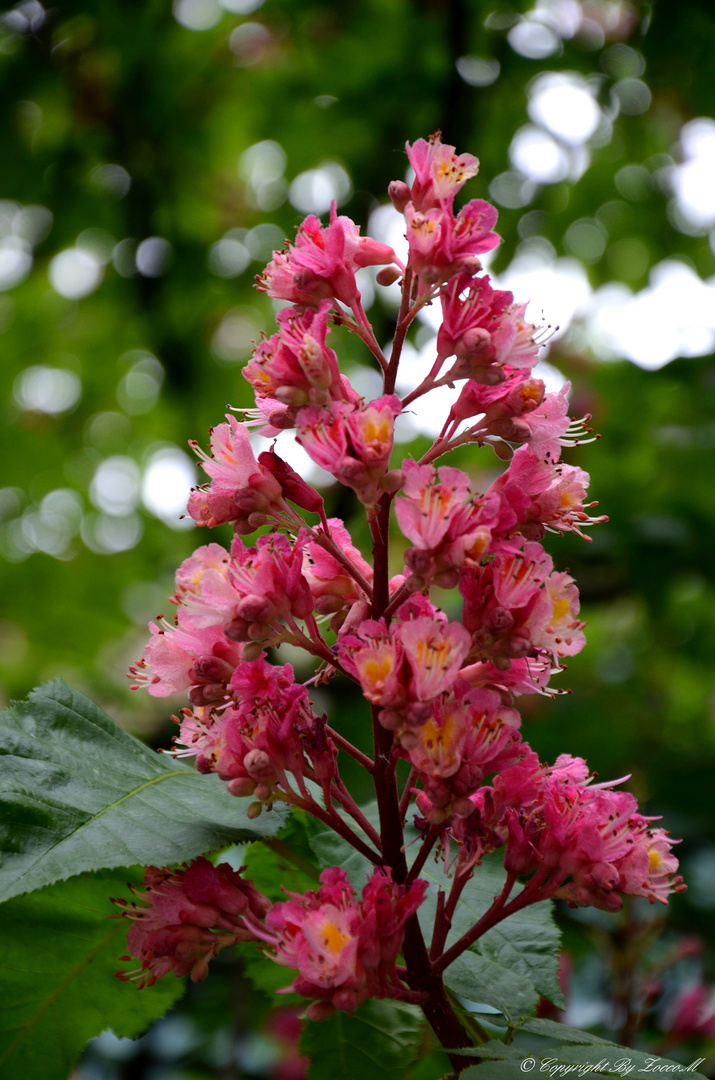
x: 526, y: 943
x: 379, y: 1041
x: 585, y: 1054
x: 480, y: 980
x: 560, y: 1032
x: 285, y: 863
x: 77, y: 793
x: 58, y: 987
x: 332, y: 850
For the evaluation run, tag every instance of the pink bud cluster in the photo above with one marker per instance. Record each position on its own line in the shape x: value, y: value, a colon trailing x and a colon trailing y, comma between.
x: 186, y: 917
x: 344, y: 949
x: 441, y: 690
x: 575, y: 839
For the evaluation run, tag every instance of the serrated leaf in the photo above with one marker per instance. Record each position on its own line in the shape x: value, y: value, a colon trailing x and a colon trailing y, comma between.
x: 494, y: 1070
x: 527, y: 943
x: 331, y: 850
x: 58, y: 957
x: 77, y: 793
x: 379, y: 1042
x: 286, y: 863
x: 477, y: 979
x: 585, y: 1055
x: 561, y: 1032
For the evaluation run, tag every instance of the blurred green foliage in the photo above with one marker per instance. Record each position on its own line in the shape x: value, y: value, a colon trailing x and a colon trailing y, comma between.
x: 168, y: 145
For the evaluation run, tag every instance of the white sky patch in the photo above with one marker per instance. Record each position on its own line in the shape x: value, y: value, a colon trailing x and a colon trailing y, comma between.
x: 168, y: 478
x: 47, y: 389
x: 674, y: 316
x: 537, y: 155
x: 692, y: 182
x: 313, y: 191
x: 563, y: 103
x: 115, y: 486
x: 557, y: 289
x: 75, y: 273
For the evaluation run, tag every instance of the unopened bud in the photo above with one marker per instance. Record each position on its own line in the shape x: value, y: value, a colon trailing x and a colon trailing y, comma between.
x: 237, y: 629
x: 392, y: 481
x: 415, y: 583
x: 254, y: 608
x: 254, y: 811
x: 291, y: 395
x: 473, y: 343
x: 207, y: 694
x: 447, y: 579
x: 462, y: 807
x: 352, y: 471
x: 252, y: 650
x: 419, y: 561
x: 388, y: 275
x: 489, y: 376
x: 258, y: 764
x: 263, y: 792
x: 241, y: 786
x: 257, y: 519
x: 390, y: 719
x: 328, y: 604
x: 250, y: 500
x: 502, y: 450
x: 400, y: 194
x: 320, y: 1010
x: 418, y: 713
x: 408, y: 740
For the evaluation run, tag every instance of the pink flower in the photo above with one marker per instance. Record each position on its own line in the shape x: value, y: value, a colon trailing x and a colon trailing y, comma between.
x: 441, y: 246
x: 352, y: 442
x: 435, y: 652
x: 255, y: 590
x: 322, y: 263
x: 241, y: 489
x: 191, y: 914
x: 267, y: 731
x: 344, y: 949
x: 469, y: 735
x: 330, y: 583
x: 295, y: 366
x: 472, y: 318
x: 439, y: 172
x: 448, y: 526
x: 374, y: 657
x: 182, y: 656
x: 692, y: 1014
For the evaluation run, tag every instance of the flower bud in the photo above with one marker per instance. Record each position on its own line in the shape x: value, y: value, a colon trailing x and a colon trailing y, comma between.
x: 400, y: 194
x: 258, y: 765
x: 241, y: 786
x: 320, y: 1010
x: 447, y: 579
x: 388, y: 275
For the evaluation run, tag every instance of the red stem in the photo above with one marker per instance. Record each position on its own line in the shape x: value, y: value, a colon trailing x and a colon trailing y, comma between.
x: 348, y: 747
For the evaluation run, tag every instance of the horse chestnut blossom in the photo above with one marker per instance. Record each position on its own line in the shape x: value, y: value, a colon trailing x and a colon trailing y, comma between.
x: 440, y: 687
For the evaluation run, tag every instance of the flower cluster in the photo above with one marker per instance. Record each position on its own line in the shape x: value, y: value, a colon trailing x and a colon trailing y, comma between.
x: 344, y: 949
x: 441, y: 690
x: 187, y: 916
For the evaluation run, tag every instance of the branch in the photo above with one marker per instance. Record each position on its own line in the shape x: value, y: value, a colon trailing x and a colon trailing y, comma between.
x: 496, y: 913
x: 348, y: 747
